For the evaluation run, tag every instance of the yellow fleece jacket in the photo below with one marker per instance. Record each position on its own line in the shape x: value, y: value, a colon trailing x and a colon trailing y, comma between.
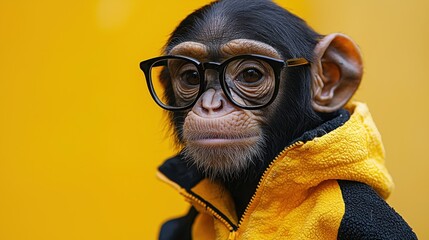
x: 298, y: 196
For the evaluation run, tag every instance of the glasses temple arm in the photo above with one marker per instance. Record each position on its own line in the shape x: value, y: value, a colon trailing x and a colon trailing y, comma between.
x: 296, y: 62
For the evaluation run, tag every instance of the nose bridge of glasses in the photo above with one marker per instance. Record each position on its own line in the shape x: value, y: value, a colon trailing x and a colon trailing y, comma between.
x: 211, y: 74
x: 211, y: 65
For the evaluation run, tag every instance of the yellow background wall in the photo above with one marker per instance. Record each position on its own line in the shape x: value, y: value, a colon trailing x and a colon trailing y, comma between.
x: 80, y: 137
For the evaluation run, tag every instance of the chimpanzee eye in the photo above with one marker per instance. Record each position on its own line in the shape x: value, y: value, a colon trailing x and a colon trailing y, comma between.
x: 250, y: 75
x: 190, y: 77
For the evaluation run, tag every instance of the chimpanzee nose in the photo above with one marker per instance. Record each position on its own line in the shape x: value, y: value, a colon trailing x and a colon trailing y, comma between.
x: 212, y: 103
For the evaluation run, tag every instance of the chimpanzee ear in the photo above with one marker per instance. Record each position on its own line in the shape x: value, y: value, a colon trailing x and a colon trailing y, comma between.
x: 336, y: 72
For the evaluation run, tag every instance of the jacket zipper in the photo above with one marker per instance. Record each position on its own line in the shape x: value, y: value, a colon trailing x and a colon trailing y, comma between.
x: 264, y: 175
x: 212, y: 211
x: 233, y: 228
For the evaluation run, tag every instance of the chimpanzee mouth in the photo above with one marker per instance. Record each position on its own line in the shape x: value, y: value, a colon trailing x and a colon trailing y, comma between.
x: 218, y: 139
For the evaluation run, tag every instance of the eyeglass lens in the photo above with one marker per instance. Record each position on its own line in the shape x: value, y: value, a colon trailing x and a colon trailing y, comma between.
x: 250, y: 82
x: 185, y: 82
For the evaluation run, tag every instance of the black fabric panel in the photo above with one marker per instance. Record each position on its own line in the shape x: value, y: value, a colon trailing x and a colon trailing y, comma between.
x: 340, y: 117
x: 179, y: 228
x: 178, y: 171
x: 368, y: 216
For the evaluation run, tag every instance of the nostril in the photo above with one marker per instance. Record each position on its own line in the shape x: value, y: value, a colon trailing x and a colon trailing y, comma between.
x: 217, y: 105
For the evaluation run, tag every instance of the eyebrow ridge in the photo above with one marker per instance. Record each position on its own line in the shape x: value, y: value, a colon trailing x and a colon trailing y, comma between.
x: 247, y: 46
x: 190, y: 49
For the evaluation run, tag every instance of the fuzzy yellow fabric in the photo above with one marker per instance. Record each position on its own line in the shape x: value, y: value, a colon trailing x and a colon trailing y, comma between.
x: 298, y: 196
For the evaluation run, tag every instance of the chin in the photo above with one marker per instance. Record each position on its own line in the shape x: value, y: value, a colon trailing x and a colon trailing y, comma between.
x: 224, y: 158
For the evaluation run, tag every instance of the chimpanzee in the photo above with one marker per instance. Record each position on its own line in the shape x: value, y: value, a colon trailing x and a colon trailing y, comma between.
x: 272, y: 146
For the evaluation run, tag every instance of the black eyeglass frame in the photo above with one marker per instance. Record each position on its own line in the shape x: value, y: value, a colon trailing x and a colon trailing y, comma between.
x: 276, y: 64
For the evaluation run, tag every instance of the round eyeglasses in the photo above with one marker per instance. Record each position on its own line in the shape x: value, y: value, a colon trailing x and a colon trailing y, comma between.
x: 248, y: 81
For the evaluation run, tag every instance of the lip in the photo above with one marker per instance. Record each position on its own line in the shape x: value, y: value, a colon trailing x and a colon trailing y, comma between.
x: 216, y: 141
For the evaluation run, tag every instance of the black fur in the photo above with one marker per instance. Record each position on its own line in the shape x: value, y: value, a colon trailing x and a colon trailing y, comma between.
x: 264, y: 21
